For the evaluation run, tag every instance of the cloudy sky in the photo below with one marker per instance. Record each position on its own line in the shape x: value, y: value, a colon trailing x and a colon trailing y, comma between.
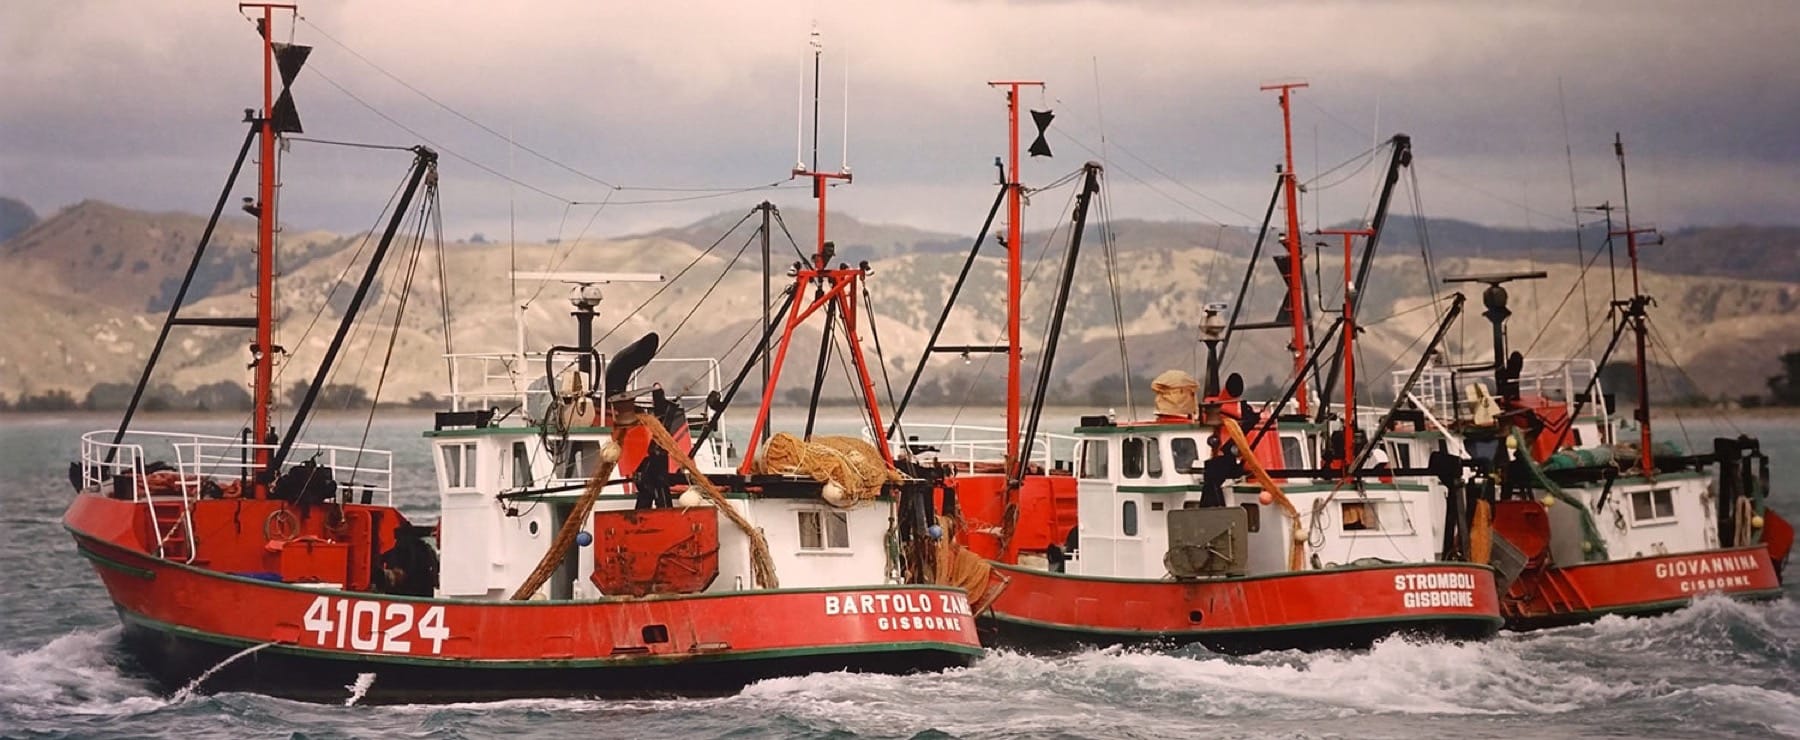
x: 644, y: 106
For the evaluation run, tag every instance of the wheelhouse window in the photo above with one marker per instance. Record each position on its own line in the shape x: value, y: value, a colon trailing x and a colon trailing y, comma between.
x: 824, y: 530
x: 1654, y: 506
x: 1093, y: 459
x: 1293, y: 452
x: 458, y: 464
x: 1141, y: 457
x: 521, y: 465
x: 1185, y: 452
x: 581, y: 460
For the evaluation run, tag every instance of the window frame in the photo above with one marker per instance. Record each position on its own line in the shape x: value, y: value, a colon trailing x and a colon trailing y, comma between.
x: 1095, y: 463
x: 829, y: 530
x: 1653, y: 497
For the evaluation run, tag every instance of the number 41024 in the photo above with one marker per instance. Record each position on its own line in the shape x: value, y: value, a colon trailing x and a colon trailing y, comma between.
x: 388, y: 627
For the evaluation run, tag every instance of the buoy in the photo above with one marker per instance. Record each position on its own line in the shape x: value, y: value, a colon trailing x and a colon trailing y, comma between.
x: 609, y: 453
x: 935, y: 531
x: 1587, y: 546
x: 691, y: 498
x: 1299, y: 535
x: 1548, y: 501
x: 833, y: 493
x: 583, y: 539
x: 1512, y: 443
x: 1265, y: 498
x: 1756, y: 522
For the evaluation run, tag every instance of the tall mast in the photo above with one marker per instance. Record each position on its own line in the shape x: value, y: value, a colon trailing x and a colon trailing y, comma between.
x: 1014, y: 263
x: 1295, y: 276
x: 1348, y: 349
x: 263, y: 379
x: 1635, y: 314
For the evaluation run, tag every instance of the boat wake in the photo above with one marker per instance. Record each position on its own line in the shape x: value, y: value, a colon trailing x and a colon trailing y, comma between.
x: 1737, y: 664
x: 80, y: 673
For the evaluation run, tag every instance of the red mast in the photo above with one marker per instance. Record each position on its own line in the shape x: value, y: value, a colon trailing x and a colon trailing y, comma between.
x: 1014, y: 266
x: 1295, y: 276
x: 1349, y: 352
x: 840, y: 286
x: 263, y: 380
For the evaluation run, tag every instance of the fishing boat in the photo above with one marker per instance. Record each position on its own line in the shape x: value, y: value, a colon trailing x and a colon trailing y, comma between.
x: 589, y: 543
x: 1216, y: 522
x: 1586, y: 518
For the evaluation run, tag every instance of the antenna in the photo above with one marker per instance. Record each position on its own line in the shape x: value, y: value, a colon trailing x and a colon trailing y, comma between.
x: 844, y: 158
x: 820, y: 255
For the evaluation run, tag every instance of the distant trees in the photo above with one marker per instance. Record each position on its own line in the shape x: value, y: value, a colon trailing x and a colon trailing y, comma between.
x: 1784, y: 389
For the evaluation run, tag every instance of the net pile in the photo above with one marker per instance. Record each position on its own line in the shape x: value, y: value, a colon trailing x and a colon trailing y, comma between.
x: 959, y: 566
x: 853, y: 464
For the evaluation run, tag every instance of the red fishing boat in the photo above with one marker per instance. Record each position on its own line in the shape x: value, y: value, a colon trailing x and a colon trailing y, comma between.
x: 1214, y: 522
x: 588, y: 545
x: 1587, y: 521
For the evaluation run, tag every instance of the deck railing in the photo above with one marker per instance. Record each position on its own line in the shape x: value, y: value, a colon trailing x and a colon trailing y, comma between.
x: 963, y: 446
x: 199, y: 458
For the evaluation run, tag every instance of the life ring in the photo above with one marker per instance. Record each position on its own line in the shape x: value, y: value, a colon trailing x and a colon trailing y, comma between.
x: 281, y: 526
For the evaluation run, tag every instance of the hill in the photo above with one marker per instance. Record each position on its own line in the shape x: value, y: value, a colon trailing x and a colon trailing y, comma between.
x: 98, y: 277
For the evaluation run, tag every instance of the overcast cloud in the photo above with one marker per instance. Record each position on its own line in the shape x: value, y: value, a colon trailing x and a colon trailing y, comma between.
x: 138, y: 103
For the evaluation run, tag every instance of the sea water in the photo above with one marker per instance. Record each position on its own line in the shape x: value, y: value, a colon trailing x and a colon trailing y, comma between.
x: 1717, y: 669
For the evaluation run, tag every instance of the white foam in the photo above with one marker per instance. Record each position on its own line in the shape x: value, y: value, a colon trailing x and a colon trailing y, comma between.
x: 72, y: 674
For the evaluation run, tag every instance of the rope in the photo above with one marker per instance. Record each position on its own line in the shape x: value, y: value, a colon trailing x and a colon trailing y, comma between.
x: 584, y: 506
x: 1268, y: 484
x: 762, y: 566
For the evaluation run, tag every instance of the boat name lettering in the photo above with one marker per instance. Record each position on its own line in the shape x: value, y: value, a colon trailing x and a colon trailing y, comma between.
x: 384, y: 626
x: 922, y: 605
x: 1432, y: 590
x: 1693, y: 572
x: 1706, y: 566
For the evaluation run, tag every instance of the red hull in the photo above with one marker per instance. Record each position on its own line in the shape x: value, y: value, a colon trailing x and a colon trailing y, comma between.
x: 185, y: 618
x: 1350, y: 607
x: 1550, y: 596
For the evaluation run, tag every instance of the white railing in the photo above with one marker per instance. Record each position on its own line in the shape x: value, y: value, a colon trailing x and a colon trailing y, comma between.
x: 1444, y: 394
x: 962, y: 446
x: 508, y: 380
x: 200, y: 458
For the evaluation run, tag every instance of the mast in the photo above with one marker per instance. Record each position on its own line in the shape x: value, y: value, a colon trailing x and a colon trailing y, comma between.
x: 1014, y: 264
x: 1295, y: 276
x: 835, y: 289
x: 263, y: 350
x: 1635, y: 315
x: 1348, y: 349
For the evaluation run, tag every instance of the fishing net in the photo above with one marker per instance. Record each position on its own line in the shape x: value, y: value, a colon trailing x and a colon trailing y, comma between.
x: 853, y: 464
x: 959, y: 566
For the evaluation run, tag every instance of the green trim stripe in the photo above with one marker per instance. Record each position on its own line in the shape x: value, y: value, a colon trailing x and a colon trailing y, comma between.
x: 106, y: 562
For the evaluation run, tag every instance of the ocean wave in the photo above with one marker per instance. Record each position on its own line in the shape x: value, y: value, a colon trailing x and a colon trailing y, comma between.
x: 75, y: 674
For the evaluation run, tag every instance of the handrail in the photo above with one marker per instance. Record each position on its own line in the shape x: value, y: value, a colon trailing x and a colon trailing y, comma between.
x: 964, y: 445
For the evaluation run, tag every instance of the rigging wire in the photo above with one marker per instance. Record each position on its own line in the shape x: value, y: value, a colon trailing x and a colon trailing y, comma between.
x: 507, y: 138
x: 1110, y: 247
x: 684, y: 270
x: 709, y: 290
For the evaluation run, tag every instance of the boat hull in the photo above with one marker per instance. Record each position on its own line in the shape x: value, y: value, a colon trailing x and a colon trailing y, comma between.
x: 1307, y: 610
x: 183, y: 621
x: 1556, y: 596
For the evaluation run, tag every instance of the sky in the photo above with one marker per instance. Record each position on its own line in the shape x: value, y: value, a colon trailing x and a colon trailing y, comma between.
x: 667, y: 112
